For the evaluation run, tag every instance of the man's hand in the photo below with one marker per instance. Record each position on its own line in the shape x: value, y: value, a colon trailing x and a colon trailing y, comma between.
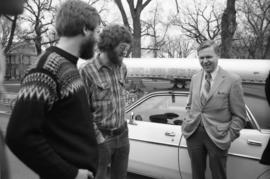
x: 84, y: 174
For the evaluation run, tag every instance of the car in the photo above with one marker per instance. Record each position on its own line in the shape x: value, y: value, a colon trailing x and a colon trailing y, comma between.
x: 158, y: 148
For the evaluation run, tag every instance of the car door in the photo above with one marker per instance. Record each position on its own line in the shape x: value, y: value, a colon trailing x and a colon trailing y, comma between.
x: 244, y: 156
x: 155, y: 135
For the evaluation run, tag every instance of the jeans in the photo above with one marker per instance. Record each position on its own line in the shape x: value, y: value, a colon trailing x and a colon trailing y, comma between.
x: 114, y: 152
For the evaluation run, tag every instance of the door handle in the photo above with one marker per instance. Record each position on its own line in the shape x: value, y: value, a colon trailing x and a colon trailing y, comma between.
x: 254, y: 142
x: 170, y: 134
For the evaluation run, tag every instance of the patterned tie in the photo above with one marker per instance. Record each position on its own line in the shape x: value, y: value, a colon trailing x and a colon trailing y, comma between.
x: 207, y: 87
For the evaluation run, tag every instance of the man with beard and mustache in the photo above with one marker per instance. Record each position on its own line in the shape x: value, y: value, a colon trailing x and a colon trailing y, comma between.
x: 215, y: 114
x: 104, y: 78
x: 51, y: 128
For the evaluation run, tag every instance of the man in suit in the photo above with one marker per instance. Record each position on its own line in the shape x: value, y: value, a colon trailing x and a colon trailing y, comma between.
x: 215, y: 114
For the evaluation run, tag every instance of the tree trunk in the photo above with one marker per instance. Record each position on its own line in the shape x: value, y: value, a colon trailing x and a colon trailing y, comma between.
x: 38, y: 45
x: 267, y: 49
x: 38, y: 38
x: 228, y: 27
x: 10, y: 40
x: 136, y: 47
x: 123, y: 13
x: 136, y: 14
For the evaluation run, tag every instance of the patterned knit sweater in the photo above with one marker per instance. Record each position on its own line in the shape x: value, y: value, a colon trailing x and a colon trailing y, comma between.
x: 51, y: 127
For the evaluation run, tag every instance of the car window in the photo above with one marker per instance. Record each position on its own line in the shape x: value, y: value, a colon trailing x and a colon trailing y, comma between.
x: 256, y: 101
x: 260, y: 110
x: 166, y: 109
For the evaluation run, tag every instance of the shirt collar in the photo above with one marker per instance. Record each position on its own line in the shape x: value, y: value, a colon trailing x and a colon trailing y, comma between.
x: 214, y: 73
x: 97, y: 62
x: 73, y: 59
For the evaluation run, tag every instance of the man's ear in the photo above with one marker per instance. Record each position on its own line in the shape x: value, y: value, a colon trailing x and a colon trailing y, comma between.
x: 86, y: 32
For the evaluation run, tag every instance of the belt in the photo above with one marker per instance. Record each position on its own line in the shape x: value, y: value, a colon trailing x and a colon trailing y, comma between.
x: 114, y: 132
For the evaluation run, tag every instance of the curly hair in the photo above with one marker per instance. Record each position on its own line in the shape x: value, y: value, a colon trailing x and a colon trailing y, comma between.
x: 73, y: 16
x: 112, y: 35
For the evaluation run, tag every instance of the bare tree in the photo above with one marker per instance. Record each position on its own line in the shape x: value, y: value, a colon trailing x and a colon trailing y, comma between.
x: 156, y: 29
x: 40, y: 15
x: 200, y: 23
x: 12, y: 32
x: 100, y: 8
x: 135, y: 11
x: 228, y: 28
x: 5, y: 30
x: 177, y: 47
x: 255, y: 18
x: 9, y: 31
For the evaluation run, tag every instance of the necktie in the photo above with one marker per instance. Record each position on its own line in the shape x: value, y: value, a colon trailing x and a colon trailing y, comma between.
x: 207, y: 87
x: 207, y: 84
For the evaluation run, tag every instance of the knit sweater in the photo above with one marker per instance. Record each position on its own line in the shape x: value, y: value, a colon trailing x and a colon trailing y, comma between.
x: 51, y: 128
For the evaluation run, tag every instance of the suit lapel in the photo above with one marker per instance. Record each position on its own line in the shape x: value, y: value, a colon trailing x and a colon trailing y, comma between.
x: 217, y: 82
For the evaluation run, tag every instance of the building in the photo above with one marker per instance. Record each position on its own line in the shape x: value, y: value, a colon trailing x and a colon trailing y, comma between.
x: 18, y: 60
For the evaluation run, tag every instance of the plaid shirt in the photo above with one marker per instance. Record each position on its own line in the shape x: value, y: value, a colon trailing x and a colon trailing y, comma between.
x: 106, y: 92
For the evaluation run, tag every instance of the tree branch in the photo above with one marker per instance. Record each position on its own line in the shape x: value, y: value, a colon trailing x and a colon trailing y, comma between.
x: 145, y: 4
x: 123, y: 13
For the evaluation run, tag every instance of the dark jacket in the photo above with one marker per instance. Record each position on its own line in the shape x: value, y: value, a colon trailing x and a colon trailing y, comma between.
x: 266, y: 154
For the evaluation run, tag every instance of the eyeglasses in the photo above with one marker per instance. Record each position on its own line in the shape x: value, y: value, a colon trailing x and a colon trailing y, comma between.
x: 124, y: 48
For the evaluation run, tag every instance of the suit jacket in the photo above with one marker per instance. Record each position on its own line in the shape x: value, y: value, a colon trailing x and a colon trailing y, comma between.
x: 223, y: 115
